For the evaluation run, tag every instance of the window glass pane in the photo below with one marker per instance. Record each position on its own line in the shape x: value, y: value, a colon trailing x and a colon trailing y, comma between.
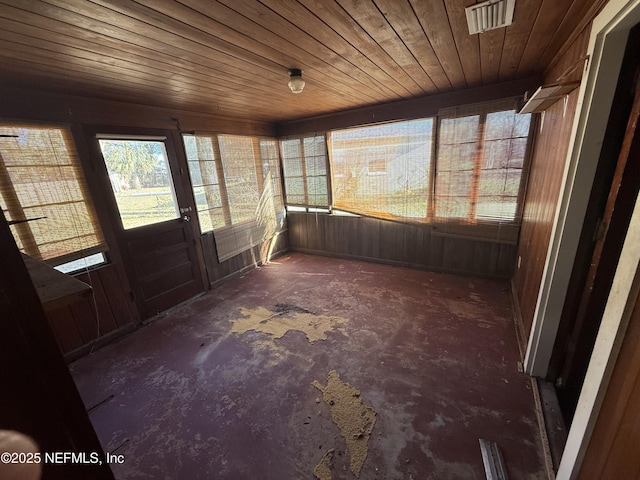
x: 41, y: 178
x: 203, y: 170
x: 305, y: 160
x: 456, y: 157
x: 522, y: 125
x: 459, y: 130
x: 500, y: 125
x: 290, y: 149
x: 383, y: 170
x: 295, y: 188
x: 453, y: 193
x: 316, y: 166
x: 141, y: 181
x: 501, y: 170
x: 292, y: 166
x: 479, y: 178
x: 236, y: 186
x: 82, y: 263
x: 317, y: 187
x: 314, y: 146
x: 211, y: 219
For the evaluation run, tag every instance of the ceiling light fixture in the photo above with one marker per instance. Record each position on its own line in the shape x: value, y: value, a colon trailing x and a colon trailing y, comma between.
x: 296, y: 83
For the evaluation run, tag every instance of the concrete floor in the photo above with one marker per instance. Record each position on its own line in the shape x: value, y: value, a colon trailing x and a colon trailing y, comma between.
x: 198, y: 394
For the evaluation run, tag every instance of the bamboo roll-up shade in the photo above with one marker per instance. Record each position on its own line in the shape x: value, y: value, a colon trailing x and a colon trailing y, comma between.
x: 41, y: 176
x: 383, y: 170
x: 481, y: 156
x: 236, y: 185
x: 479, y: 163
x: 304, y: 162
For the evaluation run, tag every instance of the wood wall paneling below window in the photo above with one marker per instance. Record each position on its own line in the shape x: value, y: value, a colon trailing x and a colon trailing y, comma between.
x: 396, y: 243
x: 545, y: 180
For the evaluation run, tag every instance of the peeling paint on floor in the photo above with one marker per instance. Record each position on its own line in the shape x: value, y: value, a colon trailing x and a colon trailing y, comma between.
x: 278, y: 323
x: 322, y: 471
x: 354, y: 418
x: 198, y: 394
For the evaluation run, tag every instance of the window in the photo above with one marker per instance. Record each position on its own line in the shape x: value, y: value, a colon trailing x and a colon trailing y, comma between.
x: 205, y: 170
x: 140, y: 179
x: 472, y: 186
x: 383, y: 170
x: 236, y: 185
x: 44, y: 195
x: 481, y: 156
x: 304, y: 162
x: 271, y: 171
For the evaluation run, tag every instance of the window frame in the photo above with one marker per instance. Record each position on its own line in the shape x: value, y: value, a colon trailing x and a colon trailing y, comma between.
x: 307, y: 205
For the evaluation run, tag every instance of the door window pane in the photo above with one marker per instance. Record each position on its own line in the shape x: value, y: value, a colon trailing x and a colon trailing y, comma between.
x: 141, y: 181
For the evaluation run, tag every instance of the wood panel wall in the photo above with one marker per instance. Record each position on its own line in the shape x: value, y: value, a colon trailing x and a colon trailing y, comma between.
x: 105, y: 314
x: 612, y: 451
x: 258, y: 255
x: 397, y: 243
x: 545, y: 180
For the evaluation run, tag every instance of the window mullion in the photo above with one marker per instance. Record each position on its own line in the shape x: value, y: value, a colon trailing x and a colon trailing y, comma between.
x: 431, y: 194
x: 303, y: 167
x: 224, y: 197
x: 257, y: 160
x: 327, y: 169
x: 477, y: 166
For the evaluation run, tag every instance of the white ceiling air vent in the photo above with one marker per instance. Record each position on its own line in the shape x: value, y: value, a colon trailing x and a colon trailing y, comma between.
x: 489, y: 15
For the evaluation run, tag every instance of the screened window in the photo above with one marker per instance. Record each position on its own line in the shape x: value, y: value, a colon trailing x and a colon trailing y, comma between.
x: 304, y: 162
x: 481, y: 156
x: 44, y: 195
x: 236, y: 185
x: 383, y: 170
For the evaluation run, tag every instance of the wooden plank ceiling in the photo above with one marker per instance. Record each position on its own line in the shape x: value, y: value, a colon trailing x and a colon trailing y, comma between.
x: 231, y: 57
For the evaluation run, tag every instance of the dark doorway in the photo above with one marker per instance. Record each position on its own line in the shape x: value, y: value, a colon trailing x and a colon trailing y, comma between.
x: 612, y: 199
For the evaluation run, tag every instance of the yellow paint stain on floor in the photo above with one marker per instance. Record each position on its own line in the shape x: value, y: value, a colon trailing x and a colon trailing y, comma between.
x: 322, y: 471
x: 277, y: 324
x: 354, y: 418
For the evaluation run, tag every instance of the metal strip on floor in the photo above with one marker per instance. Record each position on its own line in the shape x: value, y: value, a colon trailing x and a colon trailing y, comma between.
x: 494, y: 466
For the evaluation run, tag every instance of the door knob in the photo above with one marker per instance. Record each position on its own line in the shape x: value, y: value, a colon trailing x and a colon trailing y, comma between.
x: 186, y: 218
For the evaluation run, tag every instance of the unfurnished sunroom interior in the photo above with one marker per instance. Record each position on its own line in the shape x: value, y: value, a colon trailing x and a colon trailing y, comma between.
x: 234, y: 230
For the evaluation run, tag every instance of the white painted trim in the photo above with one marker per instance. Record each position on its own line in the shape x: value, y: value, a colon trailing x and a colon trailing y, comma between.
x: 606, y: 48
